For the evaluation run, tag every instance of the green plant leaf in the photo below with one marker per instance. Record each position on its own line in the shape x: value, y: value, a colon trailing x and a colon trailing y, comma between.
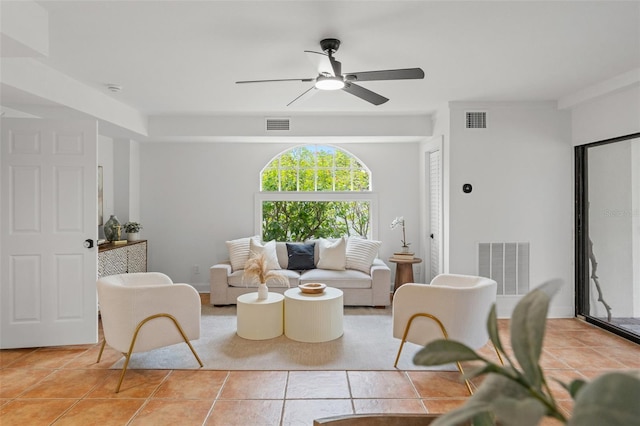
x: 492, y: 328
x: 514, y: 412
x: 527, y: 329
x: 483, y: 419
x: 444, y: 351
x: 499, y: 384
x: 611, y: 399
x: 485, y: 369
x: 574, y: 387
x: 481, y: 405
x: 470, y: 410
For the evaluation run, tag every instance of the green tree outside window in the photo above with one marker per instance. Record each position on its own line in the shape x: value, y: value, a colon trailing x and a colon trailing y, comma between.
x: 315, y: 168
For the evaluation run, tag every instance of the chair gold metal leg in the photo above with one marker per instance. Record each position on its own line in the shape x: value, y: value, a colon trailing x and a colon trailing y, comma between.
x: 395, y: 364
x: 135, y: 336
x: 406, y: 331
x: 193, y: 351
x: 444, y: 333
x: 104, y: 342
x: 124, y: 370
x: 466, y: 381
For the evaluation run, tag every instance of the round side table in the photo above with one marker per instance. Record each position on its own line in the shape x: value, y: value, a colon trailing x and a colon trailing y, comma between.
x: 313, y: 317
x: 404, y: 270
x: 260, y: 319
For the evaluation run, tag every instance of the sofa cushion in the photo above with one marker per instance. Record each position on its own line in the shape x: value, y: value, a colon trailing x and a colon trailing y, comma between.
x: 301, y: 256
x: 236, y: 279
x: 239, y: 252
x: 349, y: 278
x: 361, y: 253
x: 332, y: 254
x: 267, y: 249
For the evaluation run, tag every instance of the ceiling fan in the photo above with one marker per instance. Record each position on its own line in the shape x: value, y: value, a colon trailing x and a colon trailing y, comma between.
x: 330, y: 76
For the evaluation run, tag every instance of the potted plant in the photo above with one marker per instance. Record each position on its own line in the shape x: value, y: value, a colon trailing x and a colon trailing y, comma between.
x: 399, y: 221
x: 518, y: 393
x: 256, y: 270
x: 133, y: 230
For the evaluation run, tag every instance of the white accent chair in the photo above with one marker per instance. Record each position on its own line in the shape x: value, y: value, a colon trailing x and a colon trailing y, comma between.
x: 452, y: 306
x: 146, y: 310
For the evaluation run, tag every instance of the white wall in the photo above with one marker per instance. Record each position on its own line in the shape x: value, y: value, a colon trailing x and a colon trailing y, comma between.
x: 195, y: 196
x: 134, y: 182
x: 127, y: 180
x: 120, y: 161
x: 522, y: 176
x: 615, y: 114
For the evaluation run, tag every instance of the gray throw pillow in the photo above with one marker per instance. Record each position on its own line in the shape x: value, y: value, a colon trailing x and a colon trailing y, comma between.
x: 300, y: 256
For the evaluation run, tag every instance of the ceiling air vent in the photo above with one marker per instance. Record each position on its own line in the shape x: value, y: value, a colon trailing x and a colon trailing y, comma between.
x: 476, y: 120
x: 277, y: 124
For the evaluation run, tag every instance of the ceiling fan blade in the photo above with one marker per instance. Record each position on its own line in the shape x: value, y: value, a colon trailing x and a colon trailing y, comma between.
x: 321, y: 62
x: 305, y: 95
x: 304, y: 80
x: 402, y: 74
x: 364, y: 94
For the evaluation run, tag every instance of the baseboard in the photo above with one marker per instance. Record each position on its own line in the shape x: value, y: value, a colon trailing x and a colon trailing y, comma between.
x: 202, y: 287
x: 506, y: 304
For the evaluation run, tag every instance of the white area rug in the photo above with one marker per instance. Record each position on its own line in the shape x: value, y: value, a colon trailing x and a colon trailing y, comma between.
x: 367, y: 344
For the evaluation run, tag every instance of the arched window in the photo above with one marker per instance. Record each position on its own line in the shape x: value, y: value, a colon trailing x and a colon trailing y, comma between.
x: 314, y: 191
x: 315, y: 168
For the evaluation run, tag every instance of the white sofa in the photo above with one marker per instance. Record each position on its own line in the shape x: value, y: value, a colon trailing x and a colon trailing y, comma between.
x: 359, y: 288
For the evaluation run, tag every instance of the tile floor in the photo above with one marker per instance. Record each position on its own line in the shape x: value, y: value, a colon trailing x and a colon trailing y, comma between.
x: 64, y: 386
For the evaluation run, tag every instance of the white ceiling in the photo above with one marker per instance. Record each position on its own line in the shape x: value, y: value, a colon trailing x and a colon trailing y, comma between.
x: 183, y: 57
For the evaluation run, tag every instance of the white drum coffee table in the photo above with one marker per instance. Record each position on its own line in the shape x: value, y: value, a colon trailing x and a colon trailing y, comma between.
x: 313, y: 317
x: 260, y: 319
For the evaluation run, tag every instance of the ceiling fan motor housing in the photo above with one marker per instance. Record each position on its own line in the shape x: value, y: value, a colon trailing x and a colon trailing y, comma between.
x: 330, y: 45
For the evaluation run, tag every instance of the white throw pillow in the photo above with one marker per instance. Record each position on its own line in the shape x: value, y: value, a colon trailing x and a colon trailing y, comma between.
x: 269, y: 251
x: 239, y: 252
x: 332, y: 254
x: 361, y: 253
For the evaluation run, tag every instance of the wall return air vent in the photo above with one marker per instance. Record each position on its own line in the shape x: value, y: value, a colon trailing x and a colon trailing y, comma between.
x: 507, y: 264
x: 476, y: 120
x: 278, y: 124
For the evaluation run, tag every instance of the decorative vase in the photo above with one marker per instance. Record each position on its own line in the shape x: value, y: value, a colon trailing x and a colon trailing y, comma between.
x: 405, y: 249
x: 133, y: 236
x: 112, y: 228
x: 263, y: 291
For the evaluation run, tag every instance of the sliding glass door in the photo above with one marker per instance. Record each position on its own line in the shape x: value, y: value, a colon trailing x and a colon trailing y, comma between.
x: 608, y: 234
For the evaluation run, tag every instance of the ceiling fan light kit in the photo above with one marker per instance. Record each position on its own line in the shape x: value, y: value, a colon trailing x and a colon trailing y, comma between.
x: 329, y: 83
x: 330, y: 76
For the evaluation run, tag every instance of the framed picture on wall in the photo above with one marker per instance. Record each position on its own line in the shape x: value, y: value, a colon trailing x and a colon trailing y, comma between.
x: 100, y: 200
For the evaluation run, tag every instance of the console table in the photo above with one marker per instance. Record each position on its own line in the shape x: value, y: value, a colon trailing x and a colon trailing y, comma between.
x: 122, y: 258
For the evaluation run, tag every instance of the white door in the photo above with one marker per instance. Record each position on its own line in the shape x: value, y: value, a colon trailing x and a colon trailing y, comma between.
x: 48, y: 208
x: 435, y: 212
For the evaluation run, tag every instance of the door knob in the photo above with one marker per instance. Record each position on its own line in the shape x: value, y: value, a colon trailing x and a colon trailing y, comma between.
x: 88, y: 243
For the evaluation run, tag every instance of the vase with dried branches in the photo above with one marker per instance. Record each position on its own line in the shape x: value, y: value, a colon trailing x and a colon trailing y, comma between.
x: 256, y: 270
